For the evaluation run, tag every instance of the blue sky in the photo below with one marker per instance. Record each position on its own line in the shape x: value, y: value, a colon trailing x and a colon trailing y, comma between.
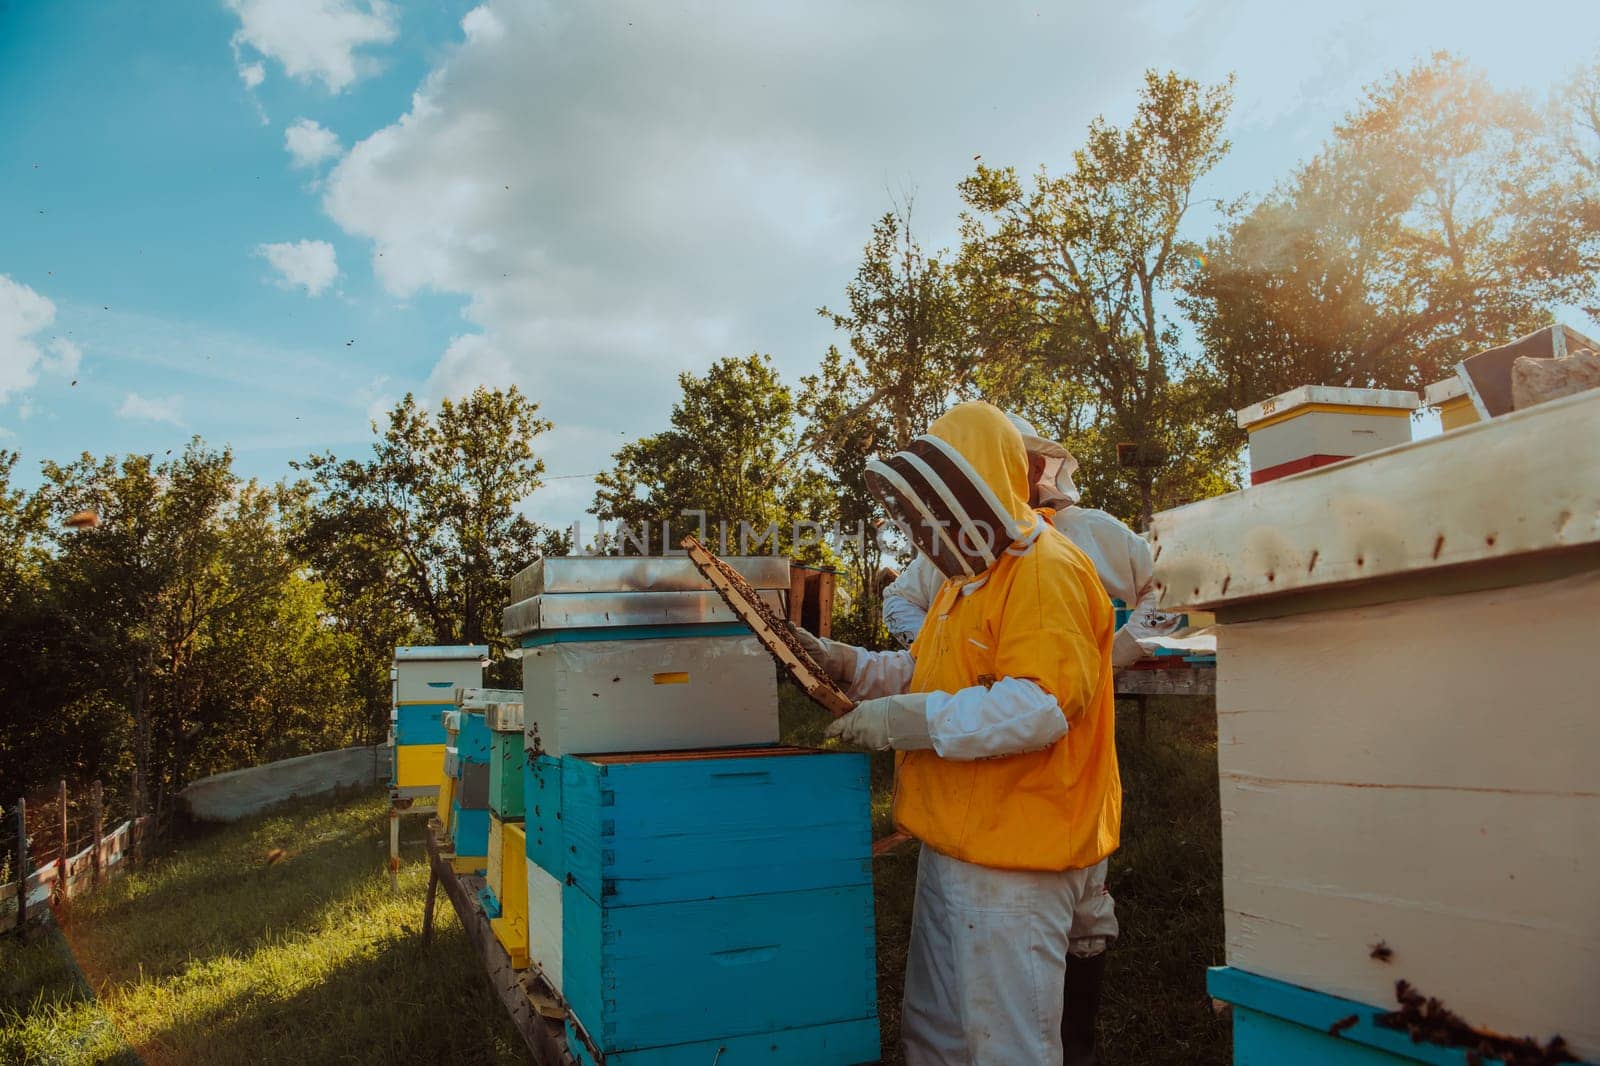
x: 582, y: 200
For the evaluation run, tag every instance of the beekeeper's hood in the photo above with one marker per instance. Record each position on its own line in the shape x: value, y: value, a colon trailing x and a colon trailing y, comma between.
x: 960, y: 490
x: 1055, y: 486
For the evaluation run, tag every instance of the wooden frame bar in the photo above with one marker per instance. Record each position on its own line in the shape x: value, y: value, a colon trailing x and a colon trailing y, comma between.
x: 535, y: 1010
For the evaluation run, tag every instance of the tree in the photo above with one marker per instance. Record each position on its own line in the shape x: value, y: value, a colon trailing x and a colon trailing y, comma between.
x: 909, y: 350
x: 1574, y: 186
x: 1426, y: 230
x: 22, y: 524
x: 421, y: 539
x: 1068, y: 279
x: 909, y: 356
x: 722, y: 455
x: 186, y: 560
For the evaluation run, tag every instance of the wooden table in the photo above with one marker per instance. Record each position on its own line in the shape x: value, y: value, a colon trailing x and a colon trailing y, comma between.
x: 535, y: 1010
x: 1140, y: 685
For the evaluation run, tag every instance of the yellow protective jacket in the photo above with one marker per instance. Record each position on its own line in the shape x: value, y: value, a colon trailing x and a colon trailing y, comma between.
x: 1038, y: 613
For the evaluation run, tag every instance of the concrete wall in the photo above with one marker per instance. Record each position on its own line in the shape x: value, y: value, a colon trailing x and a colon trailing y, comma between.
x: 239, y: 793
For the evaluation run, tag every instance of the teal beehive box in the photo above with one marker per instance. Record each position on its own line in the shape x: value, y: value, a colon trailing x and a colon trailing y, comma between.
x: 719, y: 900
x: 507, y: 761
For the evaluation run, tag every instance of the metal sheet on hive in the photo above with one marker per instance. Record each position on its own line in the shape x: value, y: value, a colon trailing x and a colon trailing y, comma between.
x: 639, y: 573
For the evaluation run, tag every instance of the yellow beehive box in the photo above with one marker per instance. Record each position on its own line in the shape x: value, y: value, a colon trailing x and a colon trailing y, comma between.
x: 511, y: 928
x: 418, y: 765
x: 446, y: 790
x: 1449, y: 397
x: 496, y: 865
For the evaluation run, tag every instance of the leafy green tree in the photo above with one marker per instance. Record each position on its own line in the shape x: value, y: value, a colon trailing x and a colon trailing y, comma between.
x: 1068, y: 279
x: 186, y: 558
x: 909, y: 341
x: 909, y: 356
x: 22, y: 525
x: 419, y: 540
x: 1427, y: 229
x: 721, y: 455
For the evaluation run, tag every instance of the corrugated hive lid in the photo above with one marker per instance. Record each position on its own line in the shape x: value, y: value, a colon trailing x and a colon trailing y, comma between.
x: 440, y: 652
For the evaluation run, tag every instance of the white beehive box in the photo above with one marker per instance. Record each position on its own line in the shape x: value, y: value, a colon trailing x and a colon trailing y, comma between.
x: 1408, y: 719
x: 431, y: 674
x: 624, y: 654
x: 544, y: 923
x: 648, y: 695
x: 478, y: 699
x: 505, y: 716
x: 1316, y: 425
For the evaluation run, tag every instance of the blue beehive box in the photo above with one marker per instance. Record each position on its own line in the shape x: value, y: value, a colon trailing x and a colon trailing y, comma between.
x: 541, y: 802
x: 470, y: 831
x: 473, y: 742
x: 719, y: 900
x: 420, y: 723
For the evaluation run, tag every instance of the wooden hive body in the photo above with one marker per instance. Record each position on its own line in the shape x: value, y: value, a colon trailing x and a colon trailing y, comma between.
x: 544, y: 923
x: 697, y: 889
x: 1407, y: 726
x: 1317, y: 425
x: 511, y: 928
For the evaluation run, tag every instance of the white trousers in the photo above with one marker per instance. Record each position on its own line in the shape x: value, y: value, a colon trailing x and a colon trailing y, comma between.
x: 988, y: 959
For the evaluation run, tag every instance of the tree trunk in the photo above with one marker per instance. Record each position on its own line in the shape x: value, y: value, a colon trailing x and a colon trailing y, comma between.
x: 141, y: 740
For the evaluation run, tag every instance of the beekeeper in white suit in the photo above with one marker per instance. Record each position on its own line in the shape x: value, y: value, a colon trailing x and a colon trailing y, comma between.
x: 1123, y: 563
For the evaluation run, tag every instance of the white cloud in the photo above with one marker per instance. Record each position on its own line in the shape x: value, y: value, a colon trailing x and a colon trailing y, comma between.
x: 312, y: 265
x: 24, y: 314
x: 318, y: 40
x: 621, y: 194
x: 310, y: 144
x: 152, y: 409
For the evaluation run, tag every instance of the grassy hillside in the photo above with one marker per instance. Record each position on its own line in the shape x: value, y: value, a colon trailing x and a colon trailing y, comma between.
x: 217, y: 953
x: 214, y: 953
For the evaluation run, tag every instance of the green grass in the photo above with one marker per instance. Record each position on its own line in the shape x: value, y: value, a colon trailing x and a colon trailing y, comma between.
x: 213, y: 954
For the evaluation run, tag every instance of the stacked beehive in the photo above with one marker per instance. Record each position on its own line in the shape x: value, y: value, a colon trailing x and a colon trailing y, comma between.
x: 1406, y: 738
x: 468, y: 759
x: 424, y: 680
x: 507, y: 845
x: 1317, y: 425
x: 697, y: 892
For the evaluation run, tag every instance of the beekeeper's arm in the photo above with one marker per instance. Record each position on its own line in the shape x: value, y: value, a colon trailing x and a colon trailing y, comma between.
x: 861, y: 673
x: 1147, y: 620
x: 907, y: 598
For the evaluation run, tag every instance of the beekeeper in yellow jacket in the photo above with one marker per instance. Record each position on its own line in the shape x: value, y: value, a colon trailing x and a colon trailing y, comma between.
x: 1002, y: 713
x: 1122, y: 560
